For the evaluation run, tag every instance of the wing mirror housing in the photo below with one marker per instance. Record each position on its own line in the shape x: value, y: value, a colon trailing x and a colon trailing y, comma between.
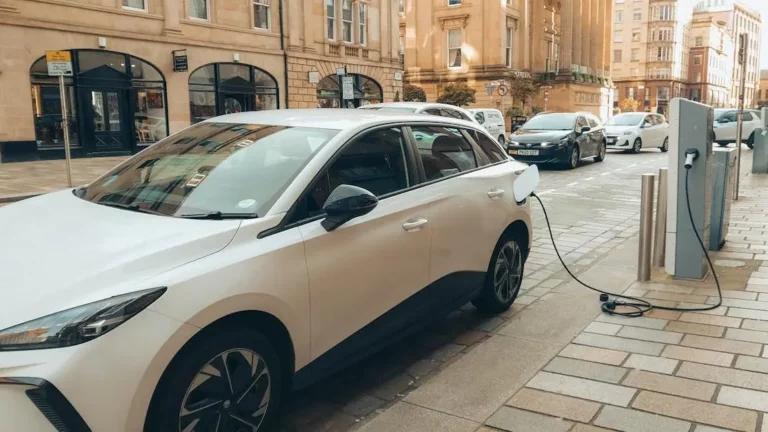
x: 525, y: 183
x: 515, y: 128
x: 585, y: 129
x: 345, y: 203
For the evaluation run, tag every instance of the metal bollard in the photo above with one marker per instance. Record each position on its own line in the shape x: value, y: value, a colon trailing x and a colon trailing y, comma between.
x: 646, y: 228
x: 660, y: 229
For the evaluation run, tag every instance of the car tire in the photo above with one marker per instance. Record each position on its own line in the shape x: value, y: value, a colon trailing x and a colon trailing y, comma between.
x: 501, y: 286
x: 573, y: 158
x: 723, y: 144
x: 665, y: 146
x: 636, y: 146
x: 254, y: 390
x: 601, y: 152
x: 751, y: 141
x: 502, y: 140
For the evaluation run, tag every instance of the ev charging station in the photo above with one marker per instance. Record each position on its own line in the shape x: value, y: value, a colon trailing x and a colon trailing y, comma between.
x: 690, y: 126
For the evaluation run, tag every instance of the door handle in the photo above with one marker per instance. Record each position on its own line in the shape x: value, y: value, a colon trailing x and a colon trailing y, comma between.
x: 414, y: 225
x: 495, y: 193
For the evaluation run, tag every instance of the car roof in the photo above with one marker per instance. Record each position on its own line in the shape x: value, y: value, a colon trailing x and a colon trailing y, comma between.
x: 474, y: 110
x: 414, y: 105
x: 330, y: 118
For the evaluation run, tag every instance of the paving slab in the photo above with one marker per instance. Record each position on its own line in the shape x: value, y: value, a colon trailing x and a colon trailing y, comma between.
x: 582, y: 388
x: 404, y: 417
x: 554, y: 405
x: 487, y: 376
x: 637, y: 421
x: 700, y: 412
x: 515, y: 420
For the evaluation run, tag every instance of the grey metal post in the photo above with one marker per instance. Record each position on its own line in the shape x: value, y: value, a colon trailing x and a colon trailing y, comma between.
x: 646, y: 228
x: 743, y: 45
x: 660, y: 229
x: 65, y: 127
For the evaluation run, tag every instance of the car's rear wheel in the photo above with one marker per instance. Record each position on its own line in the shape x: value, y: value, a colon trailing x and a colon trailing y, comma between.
x: 504, y: 276
x: 751, y: 141
x: 665, y: 146
x: 637, y: 146
x: 722, y: 144
x: 601, y: 152
x: 226, y: 381
x: 573, y: 157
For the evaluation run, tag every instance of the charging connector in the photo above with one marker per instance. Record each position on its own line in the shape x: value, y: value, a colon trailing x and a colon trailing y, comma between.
x: 690, y: 155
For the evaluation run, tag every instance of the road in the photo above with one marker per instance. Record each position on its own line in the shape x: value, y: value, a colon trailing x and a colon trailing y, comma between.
x: 593, y: 208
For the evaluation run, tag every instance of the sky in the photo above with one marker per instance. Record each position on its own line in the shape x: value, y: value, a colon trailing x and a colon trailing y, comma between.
x: 762, y: 7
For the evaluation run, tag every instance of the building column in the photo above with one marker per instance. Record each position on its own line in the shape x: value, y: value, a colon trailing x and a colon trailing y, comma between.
x: 171, y: 16
x: 599, y: 30
x: 594, y: 36
x: 608, y: 37
x: 586, y: 19
x: 578, y: 24
x: 566, y: 37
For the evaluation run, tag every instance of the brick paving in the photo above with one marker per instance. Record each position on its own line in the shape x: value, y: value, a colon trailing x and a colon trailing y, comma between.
x: 26, y: 178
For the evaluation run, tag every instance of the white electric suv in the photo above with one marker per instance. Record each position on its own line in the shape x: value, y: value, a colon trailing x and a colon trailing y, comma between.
x: 634, y: 131
x: 192, y: 286
x: 725, y: 126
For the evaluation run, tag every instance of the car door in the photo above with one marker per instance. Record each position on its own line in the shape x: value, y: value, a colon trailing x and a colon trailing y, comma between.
x: 469, y: 208
x: 586, y: 147
x: 498, y: 122
x: 596, y: 134
x: 748, y: 125
x: 646, y: 131
x: 662, y: 129
x: 361, y: 274
x: 726, y: 130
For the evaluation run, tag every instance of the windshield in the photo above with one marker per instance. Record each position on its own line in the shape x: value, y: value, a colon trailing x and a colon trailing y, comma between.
x: 625, y: 120
x: 550, y: 122
x: 235, y: 169
x: 719, y: 113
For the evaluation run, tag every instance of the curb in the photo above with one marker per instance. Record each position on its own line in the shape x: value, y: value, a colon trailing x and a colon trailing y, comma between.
x: 13, y: 198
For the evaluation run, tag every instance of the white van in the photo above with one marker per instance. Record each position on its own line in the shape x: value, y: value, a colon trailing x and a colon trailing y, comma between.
x: 493, y: 121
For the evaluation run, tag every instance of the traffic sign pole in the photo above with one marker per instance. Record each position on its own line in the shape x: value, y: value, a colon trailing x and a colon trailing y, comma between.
x: 65, y: 127
x: 60, y: 64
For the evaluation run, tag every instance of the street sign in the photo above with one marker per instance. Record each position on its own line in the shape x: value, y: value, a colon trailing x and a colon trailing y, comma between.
x: 490, y: 88
x: 347, y: 87
x: 503, y: 90
x: 314, y: 77
x: 341, y: 71
x: 59, y: 63
x: 180, y: 62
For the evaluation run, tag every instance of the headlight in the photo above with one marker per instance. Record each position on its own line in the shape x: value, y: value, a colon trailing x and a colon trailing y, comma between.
x: 628, y: 133
x: 514, y: 143
x: 545, y: 143
x: 77, y: 325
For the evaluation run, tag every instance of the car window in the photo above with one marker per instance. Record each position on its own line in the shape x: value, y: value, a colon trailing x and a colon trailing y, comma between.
x: 757, y: 115
x: 376, y: 162
x: 433, y: 111
x: 488, y: 146
x: 581, y: 122
x: 444, y: 151
x: 480, y: 117
x: 746, y: 116
x: 593, y: 123
x: 729, y: 116
x: 445, y: 112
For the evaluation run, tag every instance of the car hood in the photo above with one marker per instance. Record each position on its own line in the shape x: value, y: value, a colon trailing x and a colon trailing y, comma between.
x: 619, y: 129
x: 532, y: 136
x: 60, y: 251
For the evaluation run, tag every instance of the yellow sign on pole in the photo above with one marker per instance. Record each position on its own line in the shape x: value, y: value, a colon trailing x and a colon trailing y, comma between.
x: 59, y: 63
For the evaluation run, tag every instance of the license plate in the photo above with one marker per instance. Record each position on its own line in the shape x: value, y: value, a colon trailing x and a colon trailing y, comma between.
x: 524, y: 152
x: 611, y: 140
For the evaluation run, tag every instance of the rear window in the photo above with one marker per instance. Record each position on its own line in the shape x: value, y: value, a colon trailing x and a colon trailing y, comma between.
x: 489, y: 147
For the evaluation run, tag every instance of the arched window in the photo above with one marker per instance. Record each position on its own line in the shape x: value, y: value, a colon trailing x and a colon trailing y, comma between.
x: 226, y: 88
x: 116, y: 103
x: 365, y: 91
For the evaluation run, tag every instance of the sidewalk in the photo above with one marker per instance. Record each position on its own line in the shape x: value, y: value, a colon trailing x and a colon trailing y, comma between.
x: 33, y: 178
x: 559, y: 364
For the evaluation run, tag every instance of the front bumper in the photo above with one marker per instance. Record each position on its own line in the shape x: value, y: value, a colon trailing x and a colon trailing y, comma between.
x: 619, y: 142
x: 102, y: 385
x: 549, y: 154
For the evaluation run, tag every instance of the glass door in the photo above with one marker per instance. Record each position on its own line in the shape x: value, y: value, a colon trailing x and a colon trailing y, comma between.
x: 105, y: 119
x: 232, y: 103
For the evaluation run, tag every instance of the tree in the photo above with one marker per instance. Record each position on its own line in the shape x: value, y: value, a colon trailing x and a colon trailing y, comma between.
x: 412, y: 93
x: 523, y: 90
x: 629, y: 105
x: 458, y: 94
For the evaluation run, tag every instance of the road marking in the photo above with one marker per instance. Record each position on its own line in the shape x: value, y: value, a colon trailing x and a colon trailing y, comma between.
x: 546, y: 192
x: 618, y: 170
x: 589, y: 178
x: 572, y: 184
x: 605, y: 173
x: 633, y: 165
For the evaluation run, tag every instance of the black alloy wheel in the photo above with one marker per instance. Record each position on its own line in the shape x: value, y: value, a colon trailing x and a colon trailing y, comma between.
x: 504, y: 277
x: 637, y: 146
x: 574, y: 157
x: 601, y: 152
x: 665, y: 146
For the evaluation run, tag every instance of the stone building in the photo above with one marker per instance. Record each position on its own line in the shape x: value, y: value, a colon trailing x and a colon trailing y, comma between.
x: 710, y: 65
x: 490, y: 43
x: 142, y: 69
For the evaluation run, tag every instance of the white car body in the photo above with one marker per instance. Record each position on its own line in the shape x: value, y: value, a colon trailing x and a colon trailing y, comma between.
x: 634, y: 131
x: 493, y: 121
x: 322, y: 287
x: 725, y: 125
x: 437, y: 109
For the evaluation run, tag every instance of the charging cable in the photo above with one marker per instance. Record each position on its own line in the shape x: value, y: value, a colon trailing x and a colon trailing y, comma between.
x: 637, y: 307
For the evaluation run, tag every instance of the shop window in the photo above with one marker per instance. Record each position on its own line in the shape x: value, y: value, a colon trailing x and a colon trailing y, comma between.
x: 229, y: 88
x: 366, y: 91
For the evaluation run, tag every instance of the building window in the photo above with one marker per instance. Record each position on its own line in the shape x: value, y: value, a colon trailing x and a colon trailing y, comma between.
x: 617, y: 36
x: 330, y: 18
x: 699, y: 41
x: 402, y: 50
x: 619, y: 17
x: 637, y: 15
x: 454, y: 48
x: 454, y: 2
x: 664, y: 13
x: 697, y: 60
x: 508, y: 49
x: 346, y: 20
x: 697, y: 77
x: 198, y: 9
x: 617, y: 56
x: 135, y: 5
x: 401, y: 7
x: 635, y: 35
x: 226, y: 88
x: 635, y: 55
x: 662, y: 93
x: 261, y: 14
x: 362, y: 12
x: 365, y: 91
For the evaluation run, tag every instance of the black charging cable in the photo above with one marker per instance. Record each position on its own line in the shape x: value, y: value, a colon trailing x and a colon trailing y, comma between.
x: 637, y: 306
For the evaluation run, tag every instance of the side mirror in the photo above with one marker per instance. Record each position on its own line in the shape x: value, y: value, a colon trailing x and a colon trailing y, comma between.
x: 585, y: 129
x: 515, y: 128
x: 345, y: 203
x: 525, y: 183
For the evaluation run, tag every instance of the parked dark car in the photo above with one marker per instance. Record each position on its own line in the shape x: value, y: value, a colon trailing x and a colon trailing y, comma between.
x: 560, y: 138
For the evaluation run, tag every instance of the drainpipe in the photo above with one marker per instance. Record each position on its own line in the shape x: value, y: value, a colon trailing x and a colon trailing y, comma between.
x: 285, y: 54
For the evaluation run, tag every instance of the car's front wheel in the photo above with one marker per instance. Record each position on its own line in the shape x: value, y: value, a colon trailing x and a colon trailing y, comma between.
x: 504, y: 276
x: 751, y: 141
x: 573, y: 157
x: 665, y: 146
x: 601, y: 152
x: 226, y: 381
x: 637, y: 146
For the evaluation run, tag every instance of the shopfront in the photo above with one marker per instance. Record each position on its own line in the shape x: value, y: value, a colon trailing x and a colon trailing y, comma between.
x: 227, y: 88
x: 117, y: 105
x: 365, y: 91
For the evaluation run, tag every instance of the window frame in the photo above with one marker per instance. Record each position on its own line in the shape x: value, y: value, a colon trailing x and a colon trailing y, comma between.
x: 362, y: 23
x: 508, y: 48
x: 265, y: 4
x: 330, y: 20
x: 453, y: 3
x: 449, y: 49
x: 207, y: 12
x: 351, y: 22
x: 131, y: 8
